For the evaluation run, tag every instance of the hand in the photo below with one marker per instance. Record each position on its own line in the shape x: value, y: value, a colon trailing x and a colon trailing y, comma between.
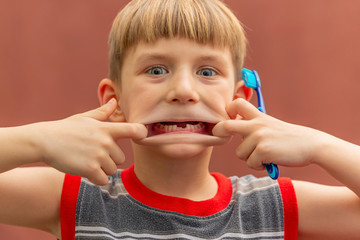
x: 266, y: 139
x: 85, y: 145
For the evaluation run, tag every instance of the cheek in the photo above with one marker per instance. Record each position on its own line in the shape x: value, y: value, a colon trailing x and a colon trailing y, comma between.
x: 138, y: 104
x: 220, y: 99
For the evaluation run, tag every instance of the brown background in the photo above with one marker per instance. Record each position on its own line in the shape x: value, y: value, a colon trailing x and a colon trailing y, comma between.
x: 53, y: 54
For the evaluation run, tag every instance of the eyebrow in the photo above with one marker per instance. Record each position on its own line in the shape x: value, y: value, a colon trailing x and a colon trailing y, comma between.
x: 217, y: 58
x: 151, y: 57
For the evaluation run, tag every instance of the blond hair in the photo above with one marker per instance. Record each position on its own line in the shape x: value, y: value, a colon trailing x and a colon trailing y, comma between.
x: 204, y: 21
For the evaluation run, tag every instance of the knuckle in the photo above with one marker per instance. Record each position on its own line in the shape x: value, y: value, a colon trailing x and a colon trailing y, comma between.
x: 107, y: 143
x: 119, y: 160
x: 100, y: 155
x: 99, y: 180
x: 254, y: 164
x: 229, y: 126
x: 103, y: 127
x: 133, y: 129
x: 112, y: 171
x: 240, y: 153
x: 263, y: 149
x: 260, y: 134
x: 138, y: 131
x: 101, y: 112
x: 251, y: 164
x: 92, y: 168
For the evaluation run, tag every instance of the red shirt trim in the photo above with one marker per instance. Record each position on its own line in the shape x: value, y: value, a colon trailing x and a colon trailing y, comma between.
x: 290, y: 208
x: 69, y: 197
x: 181, y: 205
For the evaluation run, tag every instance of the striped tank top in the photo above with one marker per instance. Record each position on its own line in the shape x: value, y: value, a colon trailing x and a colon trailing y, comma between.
x: 243, y: 208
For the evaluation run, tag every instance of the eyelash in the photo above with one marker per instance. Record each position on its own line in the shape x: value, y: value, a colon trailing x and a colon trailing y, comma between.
x: 164, y: 71
x: 214, y: 72
x: 149, y: 71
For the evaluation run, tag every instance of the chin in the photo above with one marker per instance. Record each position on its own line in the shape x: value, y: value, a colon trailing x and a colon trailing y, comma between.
x: 181, y: 146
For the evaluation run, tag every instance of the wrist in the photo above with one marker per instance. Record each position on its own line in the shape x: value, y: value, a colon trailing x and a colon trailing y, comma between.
x: 31, y: 142
x: 325, y: 148
x: 17, y: 147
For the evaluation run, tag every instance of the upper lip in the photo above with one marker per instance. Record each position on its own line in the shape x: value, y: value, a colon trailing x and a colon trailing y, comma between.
x: 178, y: 120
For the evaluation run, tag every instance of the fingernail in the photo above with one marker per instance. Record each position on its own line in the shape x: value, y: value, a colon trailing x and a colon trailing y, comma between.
x: 111, y: 101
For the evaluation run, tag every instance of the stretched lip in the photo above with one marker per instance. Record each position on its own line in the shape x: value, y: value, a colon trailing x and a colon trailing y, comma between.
x: 179, y: 127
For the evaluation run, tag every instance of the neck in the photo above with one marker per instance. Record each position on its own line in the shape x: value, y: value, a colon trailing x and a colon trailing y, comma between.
x: 178, y: 177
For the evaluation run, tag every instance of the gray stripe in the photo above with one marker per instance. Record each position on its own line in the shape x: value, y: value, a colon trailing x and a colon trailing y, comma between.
x: 109, y: 212
x: 101, y: 232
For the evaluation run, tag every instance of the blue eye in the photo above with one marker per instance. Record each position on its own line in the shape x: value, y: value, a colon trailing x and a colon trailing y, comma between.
x: 206, y: 72
x: 157, y: 71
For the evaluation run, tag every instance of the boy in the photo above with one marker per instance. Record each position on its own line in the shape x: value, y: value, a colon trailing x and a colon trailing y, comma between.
x: 174, y: 68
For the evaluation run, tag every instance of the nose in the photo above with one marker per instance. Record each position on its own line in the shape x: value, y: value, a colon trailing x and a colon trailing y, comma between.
x: 183, y: 89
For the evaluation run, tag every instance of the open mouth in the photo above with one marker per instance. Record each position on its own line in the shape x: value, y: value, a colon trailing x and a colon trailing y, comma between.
x: 187, y: 127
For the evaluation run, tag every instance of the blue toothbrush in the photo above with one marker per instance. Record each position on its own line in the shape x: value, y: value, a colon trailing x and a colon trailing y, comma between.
x: 252, y: 80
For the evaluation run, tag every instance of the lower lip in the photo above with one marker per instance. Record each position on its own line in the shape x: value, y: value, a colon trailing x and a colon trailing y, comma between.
x: 183, y: 138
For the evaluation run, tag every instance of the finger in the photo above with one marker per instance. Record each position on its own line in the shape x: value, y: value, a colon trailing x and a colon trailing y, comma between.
x: 231, y: 127
x: 98, y: 177
x: 117, y: 155
x: 108, y: 166
x: 127, y: 130
x: 242, y: 107
x: 245, y: 149
x: 102, y: 113
x: 255, y: 161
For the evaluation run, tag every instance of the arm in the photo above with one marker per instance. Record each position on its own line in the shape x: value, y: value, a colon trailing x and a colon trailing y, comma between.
x: 81, y: 145
x: 331, y: 212
x: 321, y: 208
x: 30, y: 197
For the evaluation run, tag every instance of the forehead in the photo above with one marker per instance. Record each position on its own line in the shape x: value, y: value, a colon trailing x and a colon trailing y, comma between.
x: 178, y: 48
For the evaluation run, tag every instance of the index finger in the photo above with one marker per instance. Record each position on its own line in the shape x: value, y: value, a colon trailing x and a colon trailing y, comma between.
x: 127, y: 130
x: 231, y: 127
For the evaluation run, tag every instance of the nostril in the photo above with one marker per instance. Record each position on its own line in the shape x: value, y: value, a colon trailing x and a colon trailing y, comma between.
x: 188, y: 98
x: 181, y: 100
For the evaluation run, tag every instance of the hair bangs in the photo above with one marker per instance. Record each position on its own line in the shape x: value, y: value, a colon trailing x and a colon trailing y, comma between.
x: 204, y: 21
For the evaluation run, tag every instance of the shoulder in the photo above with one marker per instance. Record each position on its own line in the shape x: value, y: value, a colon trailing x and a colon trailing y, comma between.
x: 269, y: 202
x: 249, y: 184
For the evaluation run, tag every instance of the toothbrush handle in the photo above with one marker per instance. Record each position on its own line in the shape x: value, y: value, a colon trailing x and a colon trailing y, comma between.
x: 252, y: 80
x: 272, y: 169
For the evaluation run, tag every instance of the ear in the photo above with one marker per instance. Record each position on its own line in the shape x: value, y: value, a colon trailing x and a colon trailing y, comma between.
x: 107, y: 90
x: 242, y: 91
